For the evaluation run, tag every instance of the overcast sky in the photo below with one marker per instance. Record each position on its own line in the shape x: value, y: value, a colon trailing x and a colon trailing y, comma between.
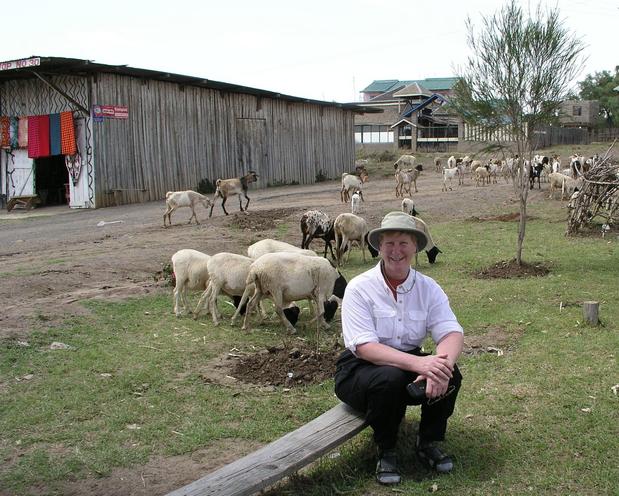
x: 319, y: 49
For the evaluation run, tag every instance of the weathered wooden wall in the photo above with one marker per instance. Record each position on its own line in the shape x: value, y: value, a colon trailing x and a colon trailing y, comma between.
x: 178, y: 135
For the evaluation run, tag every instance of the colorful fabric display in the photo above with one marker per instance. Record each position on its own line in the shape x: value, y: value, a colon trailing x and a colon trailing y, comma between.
x: 22, y: 132
x: 38, y: 136
x: 67, y: 134
x: 13, y: 132
x: 5, y: 134
x: 54, y: 134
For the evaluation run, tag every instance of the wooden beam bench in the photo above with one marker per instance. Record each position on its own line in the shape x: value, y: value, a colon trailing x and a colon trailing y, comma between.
x: 24, y: 201
x: 280, y: 458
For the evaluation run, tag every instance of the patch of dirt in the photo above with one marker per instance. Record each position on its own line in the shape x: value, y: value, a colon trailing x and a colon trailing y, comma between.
x: 262, y: 221
x: 508, y: 269
x: 494, y: 340
x: 278, y: 366
x: 515, y: 216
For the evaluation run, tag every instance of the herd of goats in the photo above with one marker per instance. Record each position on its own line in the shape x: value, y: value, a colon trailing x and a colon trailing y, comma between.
x: 286, y: 273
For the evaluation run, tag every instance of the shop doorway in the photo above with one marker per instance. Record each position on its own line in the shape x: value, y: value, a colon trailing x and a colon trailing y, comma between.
x: 51, y: 180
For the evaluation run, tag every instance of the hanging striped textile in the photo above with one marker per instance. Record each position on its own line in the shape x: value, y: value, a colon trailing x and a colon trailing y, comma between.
x: 22, y: 132
x: 38, y: 136
x: 13, y: 132
x: 54, y: 134
x: 5, y: 134
x: 67, y: 133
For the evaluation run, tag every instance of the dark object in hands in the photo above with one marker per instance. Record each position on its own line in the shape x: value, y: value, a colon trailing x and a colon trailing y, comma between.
x: 417, y: 390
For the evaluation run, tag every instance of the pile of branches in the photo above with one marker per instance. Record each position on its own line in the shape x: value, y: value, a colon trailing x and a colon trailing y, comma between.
x: 598, y: 197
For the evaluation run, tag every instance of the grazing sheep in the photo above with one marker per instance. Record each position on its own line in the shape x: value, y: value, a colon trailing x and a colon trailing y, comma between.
x: 349, y: 228
x: 408, y: 207
x: 563, y: 182
x: 288, y: 277
x: 230, y: 187
x: 431, y: 249
x: 316, y: 224
x: 355, y: 202
x: 191, y: 272
x: 354, y: 183
x: 264, y: 246
x: 177, y: 199
x: 404, y: 179
x: 227, y: 274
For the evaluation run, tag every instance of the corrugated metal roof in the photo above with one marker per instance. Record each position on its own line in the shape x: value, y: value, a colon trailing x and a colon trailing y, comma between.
x: 432, y: 84
x: 414, y: 89
x: 81, y: 67
x: 380, y: 85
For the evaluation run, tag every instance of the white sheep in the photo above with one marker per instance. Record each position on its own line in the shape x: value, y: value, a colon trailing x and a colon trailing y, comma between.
x: 191, y: 272
x: 288, y: 277
x: 349, y: 228
x: 481, y: 175
x: 351, y: 182
x: 408, y: 207
x: 264, y: 246
x: 355, y: 203
x: 449, y: 174
x: 562, y: 182
x: 227, y: 274
x: 177, y: 199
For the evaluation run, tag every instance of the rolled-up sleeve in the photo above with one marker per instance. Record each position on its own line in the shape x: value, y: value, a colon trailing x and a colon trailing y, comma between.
x: 441, y: 319
x: 358, y: 325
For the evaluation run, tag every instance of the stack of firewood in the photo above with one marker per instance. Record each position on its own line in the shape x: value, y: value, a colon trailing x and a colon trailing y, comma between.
x: 598, y: 197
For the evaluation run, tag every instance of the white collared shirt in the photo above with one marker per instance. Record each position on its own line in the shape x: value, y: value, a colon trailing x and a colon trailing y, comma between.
x: 370, y: 314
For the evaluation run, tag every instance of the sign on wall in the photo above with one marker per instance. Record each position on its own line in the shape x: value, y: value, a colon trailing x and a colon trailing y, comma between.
x: 100, y: 112
x: 20, y: 64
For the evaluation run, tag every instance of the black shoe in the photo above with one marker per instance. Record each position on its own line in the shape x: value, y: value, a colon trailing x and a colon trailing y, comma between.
x: 387, y: 468
x: 434, y: 457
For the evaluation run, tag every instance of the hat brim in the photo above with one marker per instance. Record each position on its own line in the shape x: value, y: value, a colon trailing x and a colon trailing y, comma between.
x: 420, y: 236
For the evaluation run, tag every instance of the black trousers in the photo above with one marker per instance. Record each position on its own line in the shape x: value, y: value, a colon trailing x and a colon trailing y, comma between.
x: 380, y: 392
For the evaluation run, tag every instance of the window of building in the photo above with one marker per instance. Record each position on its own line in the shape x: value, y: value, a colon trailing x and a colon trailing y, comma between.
x: 576, y: 110
x: 373, y: 134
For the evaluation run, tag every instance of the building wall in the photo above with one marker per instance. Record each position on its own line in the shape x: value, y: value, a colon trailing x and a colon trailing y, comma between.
x: 177, y: 135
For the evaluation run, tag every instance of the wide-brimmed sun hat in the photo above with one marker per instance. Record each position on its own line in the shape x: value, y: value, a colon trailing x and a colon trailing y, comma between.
x: 402, y: 222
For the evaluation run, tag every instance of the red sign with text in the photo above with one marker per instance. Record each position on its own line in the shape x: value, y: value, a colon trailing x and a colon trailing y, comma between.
x: 110, y: 112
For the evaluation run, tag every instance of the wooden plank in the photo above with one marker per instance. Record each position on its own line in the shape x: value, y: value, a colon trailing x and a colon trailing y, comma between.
x: 280, y: 458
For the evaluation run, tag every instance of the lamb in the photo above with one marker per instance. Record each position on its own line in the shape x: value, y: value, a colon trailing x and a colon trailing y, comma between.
x: 316, y: 224
x: 177, y: 199
x: 408, y: 207
x: 288, y: 277
x: 352, y: 182
x: 349, y: 228
x: 191, y: 272
x: 265, y: 246
x: 404, y: 178
x: 230, y: 187
x: 437, y: 164
x: 451, y: 162
x: 449, y: 174
x: 355, y: 202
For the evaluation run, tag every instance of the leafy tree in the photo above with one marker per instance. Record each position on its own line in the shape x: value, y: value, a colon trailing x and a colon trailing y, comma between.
x: 519, y: 71
x: 601, y: 86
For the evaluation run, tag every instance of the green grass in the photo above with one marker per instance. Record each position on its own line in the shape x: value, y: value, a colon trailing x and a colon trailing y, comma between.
x: 540, y: 419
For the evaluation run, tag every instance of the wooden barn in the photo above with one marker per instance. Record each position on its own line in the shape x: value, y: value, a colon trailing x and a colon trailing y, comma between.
x: 94, y: 135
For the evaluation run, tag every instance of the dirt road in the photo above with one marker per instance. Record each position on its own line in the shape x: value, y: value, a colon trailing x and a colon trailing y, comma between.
x: 53, y: 257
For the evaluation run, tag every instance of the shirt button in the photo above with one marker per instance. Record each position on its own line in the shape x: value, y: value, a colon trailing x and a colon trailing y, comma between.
x: 399, y: 319
x: 399, y: 337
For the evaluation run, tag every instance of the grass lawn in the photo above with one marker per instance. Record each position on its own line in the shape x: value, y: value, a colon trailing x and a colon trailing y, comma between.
x: 539, y: 418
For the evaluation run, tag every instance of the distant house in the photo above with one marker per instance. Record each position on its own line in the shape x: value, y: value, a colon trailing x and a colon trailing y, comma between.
x: 412, y: 119
x: 579, y: 113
